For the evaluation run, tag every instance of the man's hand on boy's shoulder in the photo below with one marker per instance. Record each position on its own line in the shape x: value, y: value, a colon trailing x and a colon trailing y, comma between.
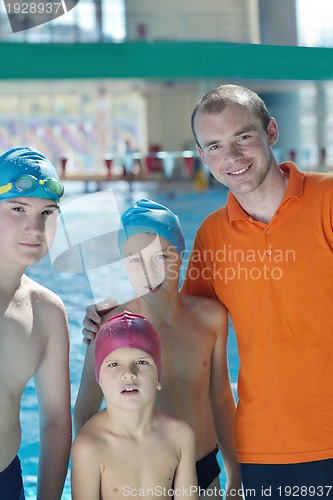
x: 93, y: 318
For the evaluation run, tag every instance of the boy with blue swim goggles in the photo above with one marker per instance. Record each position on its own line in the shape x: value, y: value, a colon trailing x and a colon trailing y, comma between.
x: 27, y: 172
x: 26, y: 238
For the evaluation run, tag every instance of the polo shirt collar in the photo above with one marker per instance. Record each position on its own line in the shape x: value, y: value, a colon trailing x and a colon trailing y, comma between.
x: 294, y: 190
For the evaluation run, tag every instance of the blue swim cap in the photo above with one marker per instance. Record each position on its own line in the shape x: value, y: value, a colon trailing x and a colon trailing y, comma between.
x: 147, y: 216
x: 27, y: 172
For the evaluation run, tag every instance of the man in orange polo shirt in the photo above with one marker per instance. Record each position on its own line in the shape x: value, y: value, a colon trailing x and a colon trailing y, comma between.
x: 267, y: 256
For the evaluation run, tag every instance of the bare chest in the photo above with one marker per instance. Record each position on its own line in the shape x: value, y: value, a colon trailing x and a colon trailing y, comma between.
x: 22, y: 344
x: 143, y: 470
x: 186, y: 355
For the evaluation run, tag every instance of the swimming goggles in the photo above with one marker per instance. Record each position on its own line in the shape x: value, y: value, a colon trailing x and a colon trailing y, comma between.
x: 28, y: 183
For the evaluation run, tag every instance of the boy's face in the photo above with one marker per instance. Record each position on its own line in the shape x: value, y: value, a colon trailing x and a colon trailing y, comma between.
x: 128, y: 378
x: 28, y: 227
x: 152, y: 264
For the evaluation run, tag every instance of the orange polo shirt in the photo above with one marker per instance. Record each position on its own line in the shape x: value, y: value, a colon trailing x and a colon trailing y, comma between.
x: 276, y: 281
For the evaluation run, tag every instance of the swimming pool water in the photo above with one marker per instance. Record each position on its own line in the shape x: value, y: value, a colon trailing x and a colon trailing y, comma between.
x: 89, y: 215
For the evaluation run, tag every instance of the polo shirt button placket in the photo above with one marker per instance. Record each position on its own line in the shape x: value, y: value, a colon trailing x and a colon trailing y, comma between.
x: 269, y: 249
x: 267, y: 233
x: 268, y: 253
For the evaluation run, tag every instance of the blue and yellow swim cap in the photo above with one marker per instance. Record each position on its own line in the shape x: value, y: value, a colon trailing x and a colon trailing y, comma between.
x: 147, y: 216
x: 27, y: 172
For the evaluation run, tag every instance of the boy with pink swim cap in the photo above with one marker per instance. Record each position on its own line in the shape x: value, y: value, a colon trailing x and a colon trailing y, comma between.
x: 105, y: 453
x: 127, y: 330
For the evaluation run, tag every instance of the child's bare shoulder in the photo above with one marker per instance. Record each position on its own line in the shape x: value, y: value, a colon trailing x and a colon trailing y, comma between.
x: 177, y: 427
x: 40, y: 294
x: 205, y: 310
x: 84, y: 445
x: 47, y: 306
x: 205, y: 302
x: 180, y: 434
x: 91, y: 431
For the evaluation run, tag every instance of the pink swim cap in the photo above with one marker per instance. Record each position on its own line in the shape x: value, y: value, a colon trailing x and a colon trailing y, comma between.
x: 127, y: 330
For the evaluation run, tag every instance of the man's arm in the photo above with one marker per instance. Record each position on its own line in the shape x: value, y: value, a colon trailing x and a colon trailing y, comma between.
x: 53, y: 392
x: 85, y: 471
x: 223, y: 403
x: 90, y: 396
x: 185, y: 481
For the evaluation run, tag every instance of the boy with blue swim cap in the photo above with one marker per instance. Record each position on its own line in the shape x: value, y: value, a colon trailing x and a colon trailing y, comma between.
x: 149, y: 227
x: 193, y: 333
x: 33, y: 324
x: 147, y: 216
x: 27, y: 172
